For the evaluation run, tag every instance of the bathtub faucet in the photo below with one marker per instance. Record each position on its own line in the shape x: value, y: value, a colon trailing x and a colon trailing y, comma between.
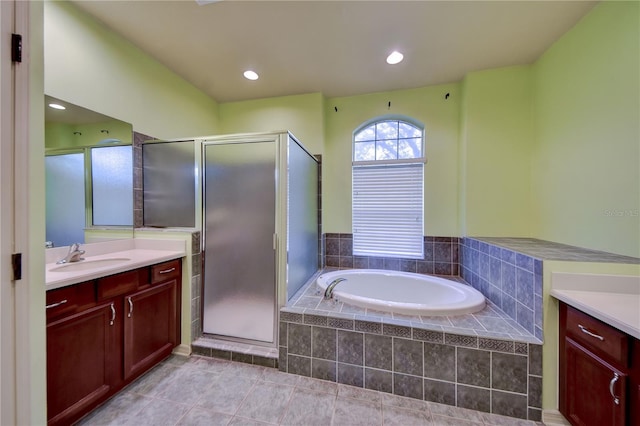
x: 328, y: 293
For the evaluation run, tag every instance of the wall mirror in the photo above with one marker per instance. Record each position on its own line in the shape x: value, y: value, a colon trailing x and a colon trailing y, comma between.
x: 89, y: 175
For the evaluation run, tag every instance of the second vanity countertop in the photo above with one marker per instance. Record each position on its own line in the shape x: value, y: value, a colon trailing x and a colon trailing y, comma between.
x: 131, y: 254
x: 613, y: 299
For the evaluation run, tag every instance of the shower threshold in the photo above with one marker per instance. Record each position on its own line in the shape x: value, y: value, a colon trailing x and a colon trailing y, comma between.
x: 211, y: 346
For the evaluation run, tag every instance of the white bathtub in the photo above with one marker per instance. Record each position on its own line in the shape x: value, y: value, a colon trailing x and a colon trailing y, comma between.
x: 402, y: 292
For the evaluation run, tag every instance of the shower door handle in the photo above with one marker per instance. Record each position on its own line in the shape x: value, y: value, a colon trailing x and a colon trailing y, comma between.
x: 275, y: 241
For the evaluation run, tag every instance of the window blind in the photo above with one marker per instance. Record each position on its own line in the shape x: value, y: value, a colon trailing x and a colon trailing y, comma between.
x: 387, y: 210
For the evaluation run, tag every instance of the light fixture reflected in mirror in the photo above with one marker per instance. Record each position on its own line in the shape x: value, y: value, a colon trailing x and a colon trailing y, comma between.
x: 108, y: 141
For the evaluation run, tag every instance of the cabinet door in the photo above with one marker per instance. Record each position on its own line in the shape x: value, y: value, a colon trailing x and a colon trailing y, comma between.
x: 596, y: 391
x: 80, y: 357
x: 150, y: 327
x: 634, y: 397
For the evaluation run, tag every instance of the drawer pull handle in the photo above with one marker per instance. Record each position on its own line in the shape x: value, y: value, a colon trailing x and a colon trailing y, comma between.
x: 113, y: 314
x: 130, y: 307
x: 55, y: 305
x: 585, y: 331
x: 612, y: 383
x: 166, y: 271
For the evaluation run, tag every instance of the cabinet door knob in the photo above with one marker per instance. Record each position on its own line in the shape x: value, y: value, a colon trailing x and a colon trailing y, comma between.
x: 130, y: 307
x: 113, y: 314
x: 586, y: 331
x: 612, y: 383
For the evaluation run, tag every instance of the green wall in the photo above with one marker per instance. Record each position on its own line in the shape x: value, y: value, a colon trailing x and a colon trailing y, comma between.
x: 302, y: 115
x: 440, y: 117
x: 495, y: 153
x: 90, y: 66
x: 548, y: 150
x: 62, y: 135
x: 586, y: 162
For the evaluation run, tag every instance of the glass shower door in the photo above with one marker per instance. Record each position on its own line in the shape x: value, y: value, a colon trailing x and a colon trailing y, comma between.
x: 239, y: 225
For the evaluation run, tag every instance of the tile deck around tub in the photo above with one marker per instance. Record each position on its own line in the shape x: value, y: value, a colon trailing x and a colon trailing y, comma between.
x: 491, y: 322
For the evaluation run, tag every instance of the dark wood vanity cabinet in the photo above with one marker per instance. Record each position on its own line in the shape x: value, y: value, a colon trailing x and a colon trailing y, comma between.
x: 634, y: 388
x: 599, y: 371
x: 149, y: 327
x: 103, y: 334
x: 82, y: 351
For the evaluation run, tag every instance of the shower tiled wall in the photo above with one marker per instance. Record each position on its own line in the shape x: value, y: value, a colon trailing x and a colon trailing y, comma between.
x: 138, y: 138
x: 320, y: 237
x: 441, y: 256
x: 510, y: 279
x: 196, y: 286
x: 491, y: 375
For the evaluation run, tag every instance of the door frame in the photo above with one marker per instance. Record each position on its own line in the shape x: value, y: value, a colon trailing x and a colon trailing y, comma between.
x: 8, y: 380
x: 22, y: 319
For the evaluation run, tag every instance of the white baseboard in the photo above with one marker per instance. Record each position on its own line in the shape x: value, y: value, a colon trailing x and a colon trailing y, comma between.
x: 554, y: 418
x: 182, y: 350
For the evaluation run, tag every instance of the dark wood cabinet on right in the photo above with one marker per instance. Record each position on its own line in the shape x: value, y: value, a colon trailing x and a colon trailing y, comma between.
x: 599, y: 372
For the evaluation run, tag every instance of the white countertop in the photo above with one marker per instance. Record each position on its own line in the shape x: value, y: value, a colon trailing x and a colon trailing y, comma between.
x: 137, y: 252
x: 613, y: 299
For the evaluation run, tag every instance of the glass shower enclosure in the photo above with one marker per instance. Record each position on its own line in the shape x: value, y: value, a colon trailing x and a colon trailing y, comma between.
x: 260, y: 227
x: 259, y: 213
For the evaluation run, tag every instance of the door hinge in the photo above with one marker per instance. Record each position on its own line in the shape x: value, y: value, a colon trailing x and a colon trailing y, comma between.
x: 16, y: 264
x: 16, y: 48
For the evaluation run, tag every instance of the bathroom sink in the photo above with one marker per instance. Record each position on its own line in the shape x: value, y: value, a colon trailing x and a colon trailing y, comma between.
x: 84, y: 265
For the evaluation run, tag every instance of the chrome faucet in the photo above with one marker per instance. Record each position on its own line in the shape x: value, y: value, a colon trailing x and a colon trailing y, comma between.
x: 73, y: 255
x: 328, y: 293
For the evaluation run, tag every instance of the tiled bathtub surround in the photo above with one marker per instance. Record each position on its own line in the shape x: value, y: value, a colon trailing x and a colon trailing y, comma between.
x: 510, y: 279
x: 440, y: 256
x: 490, y: 322
x: 485, y: 374
x: 484, y: 361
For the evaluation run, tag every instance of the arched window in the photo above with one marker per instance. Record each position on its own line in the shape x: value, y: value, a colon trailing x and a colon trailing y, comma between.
x: 388, y: 180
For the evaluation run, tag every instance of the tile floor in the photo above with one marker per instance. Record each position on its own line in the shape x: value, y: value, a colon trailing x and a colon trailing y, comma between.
x: 209, y: 391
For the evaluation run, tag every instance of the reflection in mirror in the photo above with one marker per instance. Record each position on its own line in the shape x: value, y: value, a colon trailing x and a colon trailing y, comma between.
x: 89, y: 176
x: 65, y: 201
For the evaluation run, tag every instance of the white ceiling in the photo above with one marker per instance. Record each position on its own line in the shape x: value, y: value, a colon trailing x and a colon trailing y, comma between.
x: 337, y: 48
x: 73, y: 114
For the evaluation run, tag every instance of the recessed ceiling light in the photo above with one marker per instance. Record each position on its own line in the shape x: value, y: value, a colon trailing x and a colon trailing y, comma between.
x: 57, y: 106
x: 395, y: 57
x: 251, y: 75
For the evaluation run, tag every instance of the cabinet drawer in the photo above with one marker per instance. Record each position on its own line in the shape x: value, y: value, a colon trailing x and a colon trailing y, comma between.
x: 116, y: 285
x: 165, y: 271
x: 70, y: 300
x: 599, y: 337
